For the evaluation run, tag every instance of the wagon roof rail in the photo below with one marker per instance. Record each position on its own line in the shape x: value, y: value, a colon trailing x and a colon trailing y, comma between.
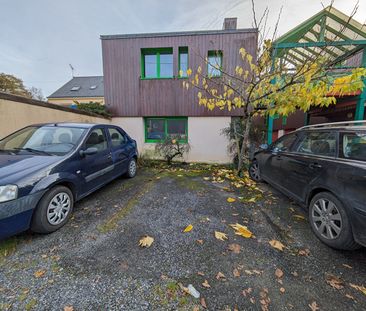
x: 334, y: 124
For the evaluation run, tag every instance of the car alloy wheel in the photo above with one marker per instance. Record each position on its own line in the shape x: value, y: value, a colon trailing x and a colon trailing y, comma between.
x: 58, y: 208
x: 132, y: 168
x: 326, y: 218
x: 254, y: 171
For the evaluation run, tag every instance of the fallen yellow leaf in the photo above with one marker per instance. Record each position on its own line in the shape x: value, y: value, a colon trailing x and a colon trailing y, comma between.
x: 241, y: 230
x: 231, y: 200
x: 298, y: 217
x: 251, y: 200
x: 206, y: 284
x: 277, y: 245
x: 220, y: 236
x: 69, y: 308
x: 236, y: 272
x: 279, y: 273
x: 188, y: 228
x: 39, y: 273
x: 362, y: 289
x: 146, y: 241
x: 220, y: 275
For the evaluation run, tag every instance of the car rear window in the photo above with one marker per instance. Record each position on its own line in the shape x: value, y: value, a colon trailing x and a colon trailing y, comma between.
x: 354, y: 146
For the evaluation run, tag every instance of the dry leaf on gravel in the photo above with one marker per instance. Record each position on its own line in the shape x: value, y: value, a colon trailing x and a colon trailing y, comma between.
x: 277, y: 245
x: 220, y: 276
x: 200, y: 273
x: 247, y: 291
x: 206, y: 284
x: 203, y: 303
x: 231, y: 200
x: 199, y: 241
x: 39, y: 273
x: 350, y: 297
x: 313, y: 306
x: 282, y: 290
x: 279, y: 273
x: 251, y: 200
x: 235, y: 248
x: 188, y: 228
x: 304, y: 252
x: 236, y: 273
x: 298, y: 217
x: 362, y: 289
x: 220, y: 235
x: 69, y: 308
x: 146, y: 241
x: 206, y: 178
x: 347, y: 266
x: 334, y: 281
x: 251, y: 272
x: 241, y: 230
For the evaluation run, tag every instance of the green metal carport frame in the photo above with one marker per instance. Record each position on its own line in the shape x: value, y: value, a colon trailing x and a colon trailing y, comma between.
x: 302, y: 43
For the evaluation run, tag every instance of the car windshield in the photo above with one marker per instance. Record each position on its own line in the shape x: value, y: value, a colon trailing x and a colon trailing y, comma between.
x: 43, y: 140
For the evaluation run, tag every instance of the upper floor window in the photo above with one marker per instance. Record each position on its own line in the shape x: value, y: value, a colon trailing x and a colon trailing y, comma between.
x: 157, y: 63
x: 214, y: 65
x: 183, y: 61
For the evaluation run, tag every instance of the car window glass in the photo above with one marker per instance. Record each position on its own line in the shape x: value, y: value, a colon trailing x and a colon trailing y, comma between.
x: 284, y: 143
x: 56, y: 140
x: 97, y: 140
x: 354, y: 146
x: 318, y: 143
x: 117, y: 138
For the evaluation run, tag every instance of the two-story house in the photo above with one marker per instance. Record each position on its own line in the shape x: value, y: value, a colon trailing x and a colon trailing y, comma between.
x: 143, y: 85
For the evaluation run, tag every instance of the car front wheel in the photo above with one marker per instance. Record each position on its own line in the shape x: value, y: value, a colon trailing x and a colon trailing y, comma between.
x: 254, y: 171
x: 53, y: 211
x: 330, y: 223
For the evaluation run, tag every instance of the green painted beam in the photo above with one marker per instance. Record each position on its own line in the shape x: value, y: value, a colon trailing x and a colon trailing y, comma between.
x: 269, y: 129
x: 347, y: 25
x: 325, y: 39
x: 360, y: 106
x: 290, y: 45
x: 322, y: 29
x: 330, y: 52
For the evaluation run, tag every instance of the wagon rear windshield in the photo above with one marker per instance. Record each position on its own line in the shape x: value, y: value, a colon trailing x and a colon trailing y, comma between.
x: 44, y: 140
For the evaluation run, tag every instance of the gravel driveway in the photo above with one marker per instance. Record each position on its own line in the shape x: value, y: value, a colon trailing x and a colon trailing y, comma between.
x: 95, y: 262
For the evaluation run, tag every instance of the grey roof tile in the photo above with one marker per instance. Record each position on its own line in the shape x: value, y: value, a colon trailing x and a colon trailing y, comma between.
x: 86, y: 88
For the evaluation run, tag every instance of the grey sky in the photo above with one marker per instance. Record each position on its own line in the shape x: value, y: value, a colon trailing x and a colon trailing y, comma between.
x: 39, y: 38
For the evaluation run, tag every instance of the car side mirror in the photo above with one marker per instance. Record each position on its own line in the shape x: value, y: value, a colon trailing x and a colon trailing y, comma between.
x: 89, y: 151
x: 263, y: 146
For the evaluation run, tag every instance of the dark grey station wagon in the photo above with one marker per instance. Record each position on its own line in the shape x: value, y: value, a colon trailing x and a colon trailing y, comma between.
x: 323, y: 167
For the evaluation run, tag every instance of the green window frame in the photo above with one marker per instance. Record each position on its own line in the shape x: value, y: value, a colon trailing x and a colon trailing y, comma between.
x: 212, y: 71
x: 157, y: 53
x: 165, y: 121
x: 183, y: 52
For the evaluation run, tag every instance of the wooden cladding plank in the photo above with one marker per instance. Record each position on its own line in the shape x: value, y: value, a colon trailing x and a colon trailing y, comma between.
x: 127, y: 95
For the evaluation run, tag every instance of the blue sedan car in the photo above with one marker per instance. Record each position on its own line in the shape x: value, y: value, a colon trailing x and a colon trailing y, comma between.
x: 45, y: 169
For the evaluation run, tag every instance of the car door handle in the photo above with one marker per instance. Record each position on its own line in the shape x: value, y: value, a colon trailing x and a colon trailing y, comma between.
x: 279, y: 158
x: 315, y: 165
x: 109, y: 157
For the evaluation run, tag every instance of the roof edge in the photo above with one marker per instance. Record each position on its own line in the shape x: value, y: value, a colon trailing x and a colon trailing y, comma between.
x: 177, y: 34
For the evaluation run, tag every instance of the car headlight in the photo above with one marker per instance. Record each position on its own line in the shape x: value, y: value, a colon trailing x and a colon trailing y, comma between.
x: 8, y: 193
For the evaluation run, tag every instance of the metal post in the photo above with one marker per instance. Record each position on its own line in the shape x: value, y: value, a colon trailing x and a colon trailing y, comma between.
x: 270, y: 119
x: 360, y: 107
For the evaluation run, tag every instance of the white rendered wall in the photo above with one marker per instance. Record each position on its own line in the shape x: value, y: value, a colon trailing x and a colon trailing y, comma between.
x: 204, y: 134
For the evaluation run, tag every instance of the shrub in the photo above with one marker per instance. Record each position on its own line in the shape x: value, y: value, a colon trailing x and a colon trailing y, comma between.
x: 171, y: 148
x: 94, y: 107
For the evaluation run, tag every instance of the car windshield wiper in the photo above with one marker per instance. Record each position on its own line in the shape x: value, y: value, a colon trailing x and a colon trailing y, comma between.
x: 34, y: 151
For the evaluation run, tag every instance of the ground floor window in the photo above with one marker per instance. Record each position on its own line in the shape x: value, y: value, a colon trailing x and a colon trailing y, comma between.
x: 157, y: 129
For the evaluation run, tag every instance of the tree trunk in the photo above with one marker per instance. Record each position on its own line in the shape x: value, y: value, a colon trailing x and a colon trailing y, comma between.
x: 244, y: 152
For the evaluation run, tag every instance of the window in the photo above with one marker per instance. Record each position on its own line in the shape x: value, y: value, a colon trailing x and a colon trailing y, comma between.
x: 97, y: 140
x: 56, y: 140
x: 284, y: 143
x: 318, y: 143
x: 117, y: 138
x: 183, y: 62
x: 214, y: 63
x: 157, y: 63
x: 354, y: 146
x: 157, y: 129
x: 75, y: 88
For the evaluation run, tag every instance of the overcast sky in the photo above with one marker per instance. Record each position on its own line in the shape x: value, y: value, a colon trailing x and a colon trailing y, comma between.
x: 40, y: 38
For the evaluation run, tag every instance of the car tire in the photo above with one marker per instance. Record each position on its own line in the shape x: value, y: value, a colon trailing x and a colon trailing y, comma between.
x: 254, y: 171
x: 330, y: 222
x: 132, y: 168
x: 53, y: 211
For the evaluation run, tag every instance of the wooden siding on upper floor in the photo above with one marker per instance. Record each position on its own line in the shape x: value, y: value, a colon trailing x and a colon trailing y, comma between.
x: 127, y: 95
